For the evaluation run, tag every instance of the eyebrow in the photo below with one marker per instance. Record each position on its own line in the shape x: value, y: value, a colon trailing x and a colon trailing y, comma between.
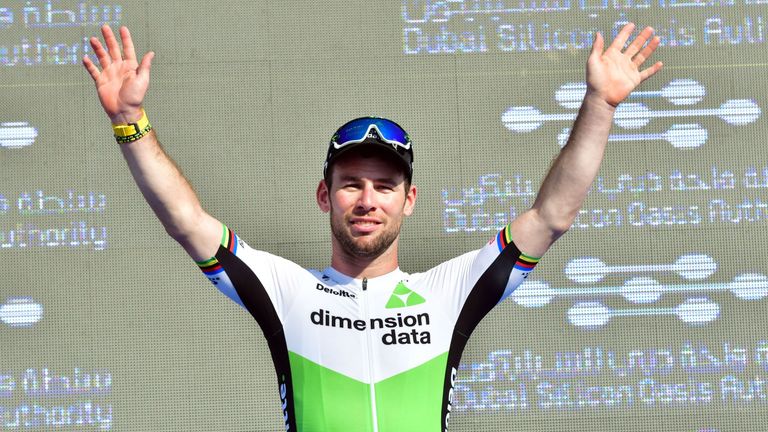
x: 387, y: 180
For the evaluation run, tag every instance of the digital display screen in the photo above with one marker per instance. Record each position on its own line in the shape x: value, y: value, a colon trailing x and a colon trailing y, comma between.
x: 649, y: 314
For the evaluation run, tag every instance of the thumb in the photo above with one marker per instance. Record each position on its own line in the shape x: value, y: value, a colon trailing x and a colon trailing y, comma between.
x: 597, y: 45
x: 146, y: 64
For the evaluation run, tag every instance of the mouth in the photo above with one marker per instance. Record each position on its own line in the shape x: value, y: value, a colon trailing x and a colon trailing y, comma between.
x: 364, y: 225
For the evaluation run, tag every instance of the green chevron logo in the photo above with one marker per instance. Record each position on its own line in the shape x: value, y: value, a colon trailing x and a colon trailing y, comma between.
x: 402, y: 296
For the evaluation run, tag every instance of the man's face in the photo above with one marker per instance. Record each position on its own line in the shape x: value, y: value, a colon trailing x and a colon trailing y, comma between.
x: 367, y: 202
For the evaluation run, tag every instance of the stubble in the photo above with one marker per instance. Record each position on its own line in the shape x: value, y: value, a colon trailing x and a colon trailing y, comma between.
x: 364, y: 249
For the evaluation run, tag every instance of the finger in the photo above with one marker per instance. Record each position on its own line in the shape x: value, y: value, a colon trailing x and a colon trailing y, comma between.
x: 643, y: 55
x: 597, y: 45
x: 639, y: 41
x: 112, y: 45
x: 622, y: 37
x: 647, y: 73
x: 146, y: 64
x: 128, y: 50
x: 101, y: 53
x: 91, y: 68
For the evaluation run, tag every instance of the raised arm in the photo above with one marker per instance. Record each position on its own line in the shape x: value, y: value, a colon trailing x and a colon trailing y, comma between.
x: 611, y: 76
x: 122, y: 84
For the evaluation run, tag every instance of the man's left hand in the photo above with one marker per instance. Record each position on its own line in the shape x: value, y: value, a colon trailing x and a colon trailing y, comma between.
x: 612, y: 74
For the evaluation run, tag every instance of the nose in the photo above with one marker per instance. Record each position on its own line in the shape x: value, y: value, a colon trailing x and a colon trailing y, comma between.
x: 367, y: 199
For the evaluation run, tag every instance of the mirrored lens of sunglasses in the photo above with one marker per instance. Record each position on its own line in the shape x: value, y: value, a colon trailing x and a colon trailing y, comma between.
x: 356, y: 130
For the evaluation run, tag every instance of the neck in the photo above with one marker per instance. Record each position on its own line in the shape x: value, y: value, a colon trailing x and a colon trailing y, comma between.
x: 363, y: 267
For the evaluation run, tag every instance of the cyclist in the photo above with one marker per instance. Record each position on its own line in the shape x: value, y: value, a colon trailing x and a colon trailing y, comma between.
x: 362, y: 345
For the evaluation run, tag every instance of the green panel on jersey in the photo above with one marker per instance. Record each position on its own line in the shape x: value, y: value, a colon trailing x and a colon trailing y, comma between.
x: 328, y: 401
x: 411, y: 401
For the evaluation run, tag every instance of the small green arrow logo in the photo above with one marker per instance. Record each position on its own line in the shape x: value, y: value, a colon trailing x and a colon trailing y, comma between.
x: 402, y: 296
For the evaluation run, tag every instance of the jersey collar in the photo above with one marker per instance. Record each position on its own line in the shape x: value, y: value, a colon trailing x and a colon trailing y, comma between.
x: 389, y: 279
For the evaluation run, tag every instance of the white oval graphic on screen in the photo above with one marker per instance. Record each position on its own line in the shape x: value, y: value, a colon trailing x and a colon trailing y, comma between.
x: 21, y: 312
x: 17, y: 134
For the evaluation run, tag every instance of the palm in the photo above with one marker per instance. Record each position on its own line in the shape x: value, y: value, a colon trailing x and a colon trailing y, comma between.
x: 613, y: 75
x: 120, y: 87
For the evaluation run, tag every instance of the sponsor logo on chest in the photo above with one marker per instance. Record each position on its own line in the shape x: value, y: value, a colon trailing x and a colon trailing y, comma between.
x: 403, y: 326
x: 333, y: 291
x: 404, y: 329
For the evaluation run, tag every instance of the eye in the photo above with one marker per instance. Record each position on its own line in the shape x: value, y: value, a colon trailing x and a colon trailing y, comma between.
x: 385, y: 187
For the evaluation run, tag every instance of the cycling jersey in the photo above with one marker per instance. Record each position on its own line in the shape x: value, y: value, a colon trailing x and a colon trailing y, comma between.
x: 376, y: 354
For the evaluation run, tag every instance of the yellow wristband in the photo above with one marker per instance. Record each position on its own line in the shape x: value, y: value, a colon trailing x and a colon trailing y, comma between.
x: 130, y: 129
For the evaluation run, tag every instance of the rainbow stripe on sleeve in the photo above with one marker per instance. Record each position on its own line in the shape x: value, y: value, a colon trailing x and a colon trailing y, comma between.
x: 210, y: 267
x: 503, y: 238
x: 524, y: 262
x: 228, y: 241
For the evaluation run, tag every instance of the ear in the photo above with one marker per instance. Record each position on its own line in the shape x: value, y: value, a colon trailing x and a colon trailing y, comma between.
x: 410, y: 201
x: 323, y: 197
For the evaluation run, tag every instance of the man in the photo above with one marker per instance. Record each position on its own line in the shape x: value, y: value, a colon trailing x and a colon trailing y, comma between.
x: 361, y: 345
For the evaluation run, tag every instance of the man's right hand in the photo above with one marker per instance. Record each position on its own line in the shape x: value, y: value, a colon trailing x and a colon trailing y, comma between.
x: 122, y: 82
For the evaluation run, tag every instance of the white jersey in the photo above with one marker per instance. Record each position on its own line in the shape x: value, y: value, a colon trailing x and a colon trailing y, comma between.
x: 377, y: 354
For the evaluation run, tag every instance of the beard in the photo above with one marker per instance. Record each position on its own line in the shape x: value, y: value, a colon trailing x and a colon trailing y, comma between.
x: 363, y: 249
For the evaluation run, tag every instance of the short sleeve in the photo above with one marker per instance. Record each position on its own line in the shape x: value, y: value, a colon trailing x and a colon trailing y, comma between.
x: 247, y: 276
x: 511, y: 261
x: 480, y: 278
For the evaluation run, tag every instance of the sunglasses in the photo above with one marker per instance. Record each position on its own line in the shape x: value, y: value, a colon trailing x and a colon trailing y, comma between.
x: 359, y: 130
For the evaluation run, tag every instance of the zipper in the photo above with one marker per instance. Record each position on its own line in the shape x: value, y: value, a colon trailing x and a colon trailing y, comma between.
x: 369, y: 356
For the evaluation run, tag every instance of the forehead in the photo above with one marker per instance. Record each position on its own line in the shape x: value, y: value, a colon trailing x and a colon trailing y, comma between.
x: 375, y: 165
